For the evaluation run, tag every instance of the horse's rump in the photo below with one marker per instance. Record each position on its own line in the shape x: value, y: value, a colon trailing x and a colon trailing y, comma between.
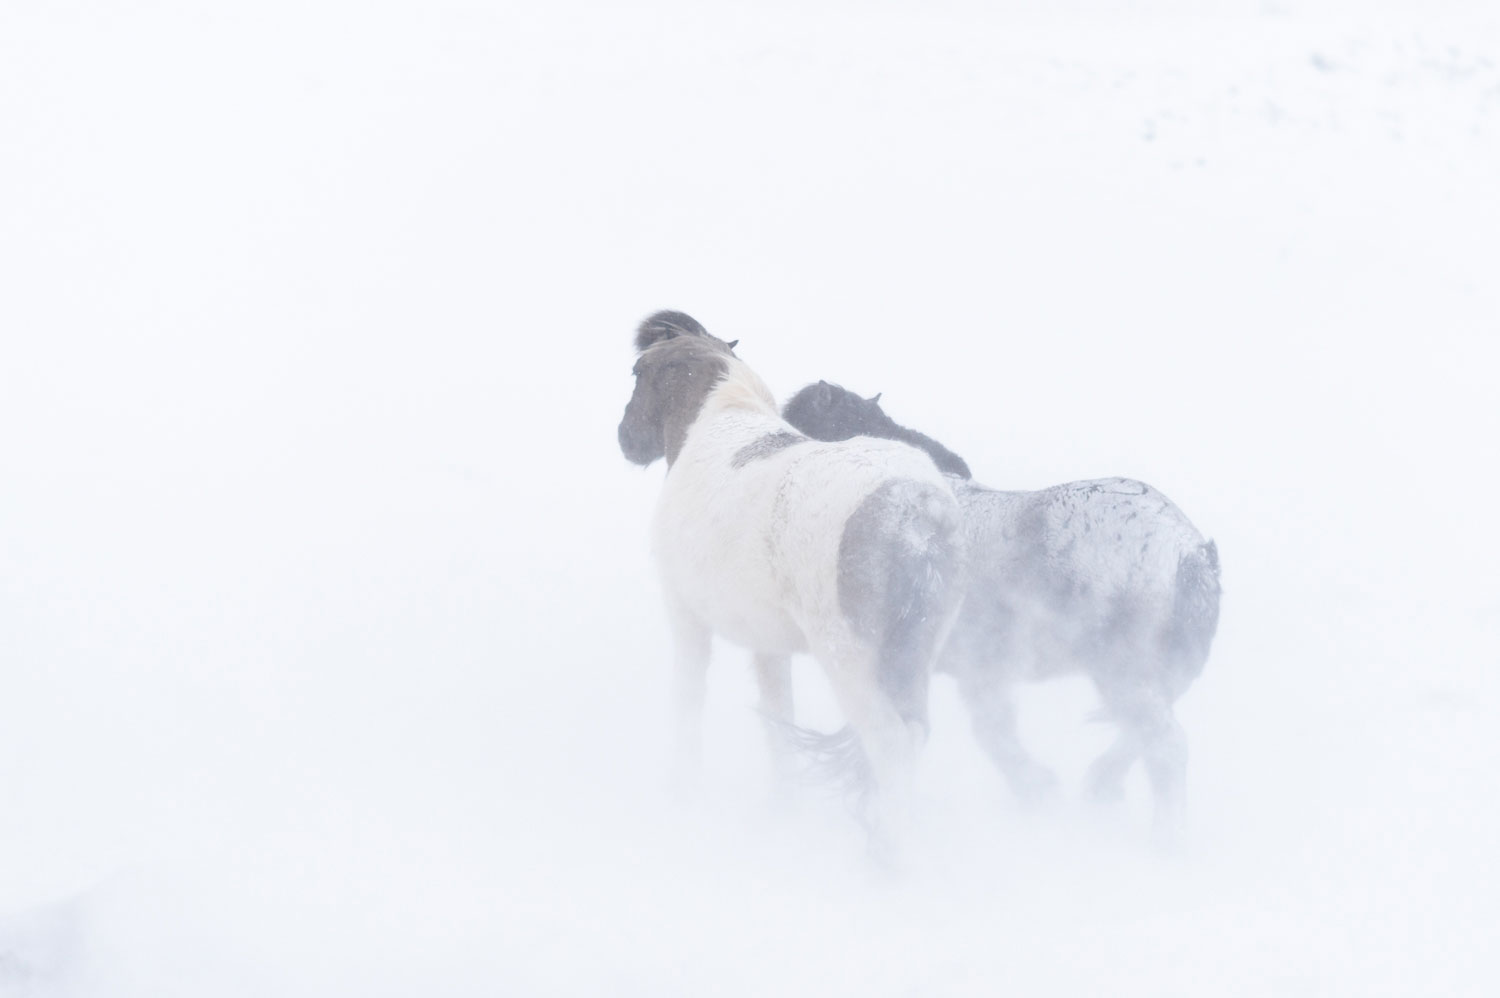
x: 900, y: 559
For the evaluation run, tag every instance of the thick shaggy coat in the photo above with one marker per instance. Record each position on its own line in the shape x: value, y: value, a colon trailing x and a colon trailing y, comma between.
x: 851, y: 551
x: 1104, y: 577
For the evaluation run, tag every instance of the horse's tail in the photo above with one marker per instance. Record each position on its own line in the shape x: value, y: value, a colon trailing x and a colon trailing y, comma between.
x: 1195, y: 611
x: 900, y: 563
x: 836, y: 761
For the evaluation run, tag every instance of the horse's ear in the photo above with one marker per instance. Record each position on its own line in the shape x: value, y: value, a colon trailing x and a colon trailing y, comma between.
x: 876, y: 397
x: 733, y: 344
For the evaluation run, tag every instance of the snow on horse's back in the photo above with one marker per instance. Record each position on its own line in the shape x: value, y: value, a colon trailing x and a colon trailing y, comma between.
x: 849, y: 550
x: 1106, y: 577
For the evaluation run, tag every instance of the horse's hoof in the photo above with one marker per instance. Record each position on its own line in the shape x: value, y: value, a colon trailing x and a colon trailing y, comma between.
x: 1037, y: 787
x: 1106, y: 791
x: 885, y: 859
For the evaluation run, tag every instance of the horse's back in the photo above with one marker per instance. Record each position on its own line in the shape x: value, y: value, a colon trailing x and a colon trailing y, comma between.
x: 856, y: 505
x: 749, y: 535
x: 1079, y: 573
x: 1117, y: 534
x: 713, y: 546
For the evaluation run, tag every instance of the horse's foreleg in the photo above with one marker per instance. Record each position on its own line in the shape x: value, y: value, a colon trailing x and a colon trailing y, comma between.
x: 691, y: 642
x: 773, y: 674
x: 992, y: 711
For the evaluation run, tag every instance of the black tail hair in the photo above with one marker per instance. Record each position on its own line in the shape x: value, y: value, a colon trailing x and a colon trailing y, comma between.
x: 665, y: 325
x: 835, y: 761
x: 1196, y: 610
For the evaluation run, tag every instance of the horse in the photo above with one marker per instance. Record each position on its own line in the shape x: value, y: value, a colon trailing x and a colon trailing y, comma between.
x: 781, y: 544
x: 1105, y: 577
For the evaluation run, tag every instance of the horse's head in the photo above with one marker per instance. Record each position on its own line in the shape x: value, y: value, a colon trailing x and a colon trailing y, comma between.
x: 679, y: 364
x: 831, y: 412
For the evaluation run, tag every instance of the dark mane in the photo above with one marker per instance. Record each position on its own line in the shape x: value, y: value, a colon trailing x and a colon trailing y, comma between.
x: 665, y: 325
x: 826, y: 411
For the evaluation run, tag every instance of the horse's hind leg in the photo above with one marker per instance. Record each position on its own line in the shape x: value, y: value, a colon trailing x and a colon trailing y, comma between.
x: 889, y: 745
x: 992, y: 712
x: 1148, y: 730
x: 773, y: 674
x: 1106, y: 776
x: 1164, y: 749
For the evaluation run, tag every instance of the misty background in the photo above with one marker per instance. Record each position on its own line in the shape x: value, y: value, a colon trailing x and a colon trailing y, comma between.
x: 331, y: 655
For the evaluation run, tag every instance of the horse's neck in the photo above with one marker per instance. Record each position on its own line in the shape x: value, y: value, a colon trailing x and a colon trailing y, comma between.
x: 741, y: 388
x: 737, y: 412
x: 736, y: 427
x: 742, y: 403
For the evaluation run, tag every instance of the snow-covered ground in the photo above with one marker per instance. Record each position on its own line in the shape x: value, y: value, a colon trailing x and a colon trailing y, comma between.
x: 330, y: 654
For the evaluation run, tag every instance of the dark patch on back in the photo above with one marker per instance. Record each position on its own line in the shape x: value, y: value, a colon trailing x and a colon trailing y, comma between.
x: 1031, y: 565
x: 1029, y: 534
x: 763, y: 447
x: 899, y: 565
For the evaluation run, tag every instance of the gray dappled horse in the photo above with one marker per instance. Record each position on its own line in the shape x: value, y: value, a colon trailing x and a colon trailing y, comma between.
x: 849, y: 550
x: 1104, y: 577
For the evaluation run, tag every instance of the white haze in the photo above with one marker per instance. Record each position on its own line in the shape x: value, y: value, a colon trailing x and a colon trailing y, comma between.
x: 331, y: 659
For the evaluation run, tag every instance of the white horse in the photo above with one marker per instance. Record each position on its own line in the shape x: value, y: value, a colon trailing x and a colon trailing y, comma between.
x: 1104, y: 577
x: 851, y: 551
